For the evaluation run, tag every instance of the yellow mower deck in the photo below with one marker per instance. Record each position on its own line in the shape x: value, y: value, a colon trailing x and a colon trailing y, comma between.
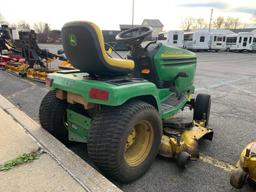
x: 174, y: 142
x: 22, y: 69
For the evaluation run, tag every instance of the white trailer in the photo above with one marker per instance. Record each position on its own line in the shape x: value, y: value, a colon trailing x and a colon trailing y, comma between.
x: 203, y: 39
x: 218, y: 39
x: 232, y: 42
x: 175, y: 38
x: 197, y: 40
x: 246, y: 41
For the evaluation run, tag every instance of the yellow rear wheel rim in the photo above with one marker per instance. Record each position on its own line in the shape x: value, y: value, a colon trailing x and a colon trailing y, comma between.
x: 139, y: 143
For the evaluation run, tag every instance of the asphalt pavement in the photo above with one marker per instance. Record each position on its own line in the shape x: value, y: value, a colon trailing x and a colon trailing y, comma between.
x: 230, y: 78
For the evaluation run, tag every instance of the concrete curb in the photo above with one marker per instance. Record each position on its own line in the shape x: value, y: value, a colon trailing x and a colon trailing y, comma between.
x: 89, y: 178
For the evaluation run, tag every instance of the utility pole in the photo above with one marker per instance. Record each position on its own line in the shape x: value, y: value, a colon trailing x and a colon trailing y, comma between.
x: 132, y: 13
x: 210, y: 24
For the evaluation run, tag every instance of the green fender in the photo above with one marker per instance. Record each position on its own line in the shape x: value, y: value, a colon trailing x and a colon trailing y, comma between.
x: 118, y: 93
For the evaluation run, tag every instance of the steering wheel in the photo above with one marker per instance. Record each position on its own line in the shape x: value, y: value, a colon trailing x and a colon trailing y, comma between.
x: 134, y: 36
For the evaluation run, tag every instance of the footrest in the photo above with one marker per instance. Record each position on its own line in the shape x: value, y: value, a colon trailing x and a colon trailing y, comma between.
x: 171, y: 102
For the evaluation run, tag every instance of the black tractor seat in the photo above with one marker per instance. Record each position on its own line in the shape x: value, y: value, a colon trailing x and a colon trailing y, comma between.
x: 84, y: 47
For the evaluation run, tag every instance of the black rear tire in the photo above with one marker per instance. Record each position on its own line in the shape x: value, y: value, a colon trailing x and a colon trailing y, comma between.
x: 52, y: 116
x: 108, y: 139
x: 202, y: 108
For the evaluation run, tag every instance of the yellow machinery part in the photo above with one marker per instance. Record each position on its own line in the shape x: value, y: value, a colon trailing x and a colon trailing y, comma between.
x: 168, y: 147
x: 37, y: 74
x: 30, y: 73
x: 16, y: 68
x: 65, y: 65
x: 49, y: 60
x: 248, y: 162
x: 139, y: 143
x: 171, y: 147
x: 41, y: 75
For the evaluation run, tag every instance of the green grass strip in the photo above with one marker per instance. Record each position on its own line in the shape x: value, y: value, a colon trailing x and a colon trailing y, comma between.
x: 22, y: 159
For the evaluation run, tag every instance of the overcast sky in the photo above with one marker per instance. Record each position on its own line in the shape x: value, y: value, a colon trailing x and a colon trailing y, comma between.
x: 108, y: 14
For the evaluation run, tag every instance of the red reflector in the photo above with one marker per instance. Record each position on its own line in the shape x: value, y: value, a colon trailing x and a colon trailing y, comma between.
x: 48, y: 82
x: 98, y: 94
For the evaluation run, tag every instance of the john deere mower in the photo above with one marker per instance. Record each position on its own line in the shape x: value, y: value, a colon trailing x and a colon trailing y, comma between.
x: 124, y: 108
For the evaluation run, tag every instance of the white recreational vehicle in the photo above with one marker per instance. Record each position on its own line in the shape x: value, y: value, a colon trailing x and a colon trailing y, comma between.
x: 246, y: 41
x: 197, y: 40
x: 231, y: 42
x: 218, y: 39
x: 203, y: 39
x: 175, y: 38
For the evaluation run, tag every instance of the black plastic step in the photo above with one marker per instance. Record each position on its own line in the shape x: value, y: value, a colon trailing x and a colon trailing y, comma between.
x: 171, y: 102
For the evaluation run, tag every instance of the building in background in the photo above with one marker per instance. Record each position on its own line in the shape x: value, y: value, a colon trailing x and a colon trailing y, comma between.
x: 156, y: 24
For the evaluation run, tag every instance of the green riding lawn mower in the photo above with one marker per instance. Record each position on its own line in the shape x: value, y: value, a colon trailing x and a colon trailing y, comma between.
x: 124, y: 108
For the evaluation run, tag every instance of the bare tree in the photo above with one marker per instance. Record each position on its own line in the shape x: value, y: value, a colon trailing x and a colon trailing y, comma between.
x: 191, y: 23
x: 219, y: 22
x: 232, y: 23
x: 23, y: 25
x: 41, y: 27
x: 188, y: 23
x: 200, y: 24
x: 237, y: 23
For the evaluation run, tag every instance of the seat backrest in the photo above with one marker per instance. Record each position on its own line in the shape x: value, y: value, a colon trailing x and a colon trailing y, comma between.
x: 83, y: 45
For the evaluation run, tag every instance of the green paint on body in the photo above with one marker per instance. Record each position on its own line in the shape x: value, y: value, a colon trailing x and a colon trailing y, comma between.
x: 78, y: 126
x: 170, y: 61
x: 118, y: 94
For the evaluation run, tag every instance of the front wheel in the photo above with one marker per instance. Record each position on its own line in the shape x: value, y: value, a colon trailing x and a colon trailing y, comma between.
x: 123, y: 141
x: 183, y: 159
x: 202, y: 108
